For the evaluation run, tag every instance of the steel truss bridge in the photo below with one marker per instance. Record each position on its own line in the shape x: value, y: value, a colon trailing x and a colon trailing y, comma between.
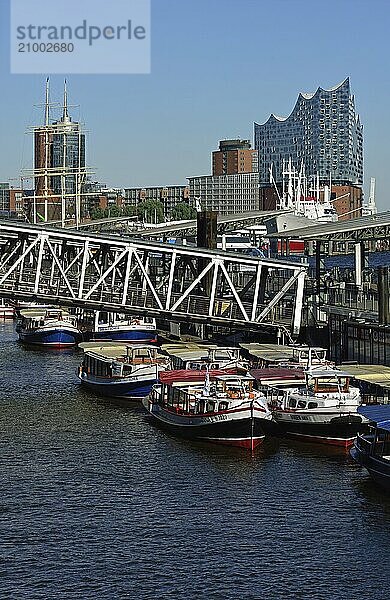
x: 226, y: 224
x: 178, y: 283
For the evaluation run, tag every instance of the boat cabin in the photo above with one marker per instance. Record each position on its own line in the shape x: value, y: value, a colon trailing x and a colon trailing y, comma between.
x: 117, y: 360
x: 309, y: 356
x: 212, y: 395
x: 263, y: 356
x: 109, y: 320
x: 33, y: 318
x: 328, y: 382
x: 197, y: 357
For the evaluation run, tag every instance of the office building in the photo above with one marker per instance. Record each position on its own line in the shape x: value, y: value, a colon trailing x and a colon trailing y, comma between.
x: 234, y: 156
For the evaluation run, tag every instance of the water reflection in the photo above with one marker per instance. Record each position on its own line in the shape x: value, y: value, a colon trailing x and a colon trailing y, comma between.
x: 97, y: 503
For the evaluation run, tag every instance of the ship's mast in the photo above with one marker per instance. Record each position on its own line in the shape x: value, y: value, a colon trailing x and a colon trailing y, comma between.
x: 58, y: 180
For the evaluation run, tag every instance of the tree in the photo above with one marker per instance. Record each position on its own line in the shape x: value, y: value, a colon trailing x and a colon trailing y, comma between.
x: 151, y: 211
x: 129, y: 211
x: 114, y: 211
x: 183, y: 211
x: 97, y: 213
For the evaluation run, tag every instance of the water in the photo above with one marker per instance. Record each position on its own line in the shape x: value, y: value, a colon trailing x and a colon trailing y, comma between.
x: 96, y: 503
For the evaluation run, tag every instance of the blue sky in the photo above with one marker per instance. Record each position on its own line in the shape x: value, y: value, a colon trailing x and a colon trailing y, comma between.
x: 217, y: 66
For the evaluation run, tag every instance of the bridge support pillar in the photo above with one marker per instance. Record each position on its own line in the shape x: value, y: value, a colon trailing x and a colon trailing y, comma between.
x: 359, y: 263
x: 383, y: 296
x: 206, y: 237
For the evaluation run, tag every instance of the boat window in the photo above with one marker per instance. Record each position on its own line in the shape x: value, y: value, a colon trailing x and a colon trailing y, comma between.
x: 200, y: 406
x: 223, y: 406
x: 103, y: 318
x: 301, y: 404
x: 292, y: 403
x: 312, y: 405
x: 210, y: 407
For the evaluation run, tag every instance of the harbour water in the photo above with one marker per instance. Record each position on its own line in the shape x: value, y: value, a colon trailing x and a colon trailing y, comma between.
x: 97, y: 503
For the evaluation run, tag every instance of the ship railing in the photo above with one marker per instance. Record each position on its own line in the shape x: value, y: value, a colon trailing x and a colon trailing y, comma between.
x: 364, y: 443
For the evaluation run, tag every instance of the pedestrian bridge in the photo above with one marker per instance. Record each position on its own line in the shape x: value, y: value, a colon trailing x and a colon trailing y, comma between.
x: 125, y: 274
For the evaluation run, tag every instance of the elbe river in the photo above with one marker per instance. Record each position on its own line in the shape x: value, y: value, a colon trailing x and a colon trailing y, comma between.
x: 96, y: 503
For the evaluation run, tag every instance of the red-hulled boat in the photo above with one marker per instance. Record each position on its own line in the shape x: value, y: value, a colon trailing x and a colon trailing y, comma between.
x: 217, y: 406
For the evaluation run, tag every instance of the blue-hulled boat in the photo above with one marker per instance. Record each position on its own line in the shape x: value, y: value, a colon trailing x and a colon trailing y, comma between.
x: 109, y: 326
x: 48, y: 327
x: 120, y: 370
x: 372, y: 451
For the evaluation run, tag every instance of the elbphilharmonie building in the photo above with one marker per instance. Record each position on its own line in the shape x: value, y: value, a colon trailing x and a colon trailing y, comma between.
x: 323, y: 131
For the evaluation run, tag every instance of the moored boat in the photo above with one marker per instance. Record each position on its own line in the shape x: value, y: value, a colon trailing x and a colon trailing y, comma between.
x: 7, y: 312
x: 213, y: 406
x: 51, y: 327
x: 202, y: 357
x: 109, y: 326
x: 324, y: 409
x: 119, y: 370
x: 263, y: 356
x: 372, y: 450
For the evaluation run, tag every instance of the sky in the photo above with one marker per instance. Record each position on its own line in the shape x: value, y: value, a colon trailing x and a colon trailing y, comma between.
x: 217, y: 66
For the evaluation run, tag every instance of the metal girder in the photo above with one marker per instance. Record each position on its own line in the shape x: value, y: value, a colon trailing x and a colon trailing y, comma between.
x: 226, y: 223
x: 179, y: 283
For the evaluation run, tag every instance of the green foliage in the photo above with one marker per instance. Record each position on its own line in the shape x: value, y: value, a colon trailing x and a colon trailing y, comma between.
x: 151, y: 211
x: 183, y: 211
x: 129, y: 211
x: 97, y: 213
x: 113, y: 211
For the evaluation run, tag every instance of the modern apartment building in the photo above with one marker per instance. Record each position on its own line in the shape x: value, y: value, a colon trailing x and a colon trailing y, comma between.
x: 11, y: 201
x: 227, y: 194
x: 169, y: 196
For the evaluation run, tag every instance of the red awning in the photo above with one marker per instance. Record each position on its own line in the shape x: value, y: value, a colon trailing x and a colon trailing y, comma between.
x: 169, y: 377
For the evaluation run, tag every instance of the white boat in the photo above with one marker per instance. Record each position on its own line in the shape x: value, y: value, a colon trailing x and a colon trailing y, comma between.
x: 211, y: 406
x: 200, y: 357
x: 120, y: 370
x: 51, y: 327
x: 118, y: 327
x: 323, y: 409
x: 263, y: 356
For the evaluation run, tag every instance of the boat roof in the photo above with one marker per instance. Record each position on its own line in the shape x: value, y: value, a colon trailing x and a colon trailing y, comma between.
x: 327, y: 373
x: 269, y: 351
x: 187, y: 351
x: 373, y: 374
x: 37, y: 312
x: 188, y: 376
x: 277, y: 374
x: 112, y: 349
x: 378, y: 413
x: 276, y: 351
x: 232, y: 376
